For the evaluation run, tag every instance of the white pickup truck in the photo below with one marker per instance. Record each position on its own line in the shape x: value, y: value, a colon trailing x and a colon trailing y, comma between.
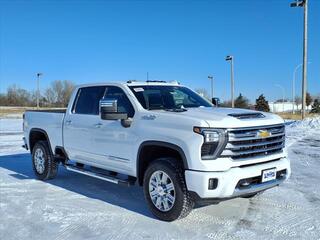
x: 181, y: 148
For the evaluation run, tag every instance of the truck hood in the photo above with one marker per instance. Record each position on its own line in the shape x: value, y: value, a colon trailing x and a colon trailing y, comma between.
x: 230, y: 117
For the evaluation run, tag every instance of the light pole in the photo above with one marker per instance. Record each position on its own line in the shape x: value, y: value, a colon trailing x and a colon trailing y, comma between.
x: 294, y: 85
x: 38, y: 88
x: 211, y: 78
x: 230, y: 58
x: 282, y: 89
x: 304, y: 4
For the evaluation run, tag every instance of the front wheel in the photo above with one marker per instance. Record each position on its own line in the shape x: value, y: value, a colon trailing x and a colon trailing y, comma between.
x: 165, y: 190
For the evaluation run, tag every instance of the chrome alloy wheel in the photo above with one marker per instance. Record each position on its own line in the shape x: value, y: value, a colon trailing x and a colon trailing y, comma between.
x: 161, y: 190
x: 39, y: 160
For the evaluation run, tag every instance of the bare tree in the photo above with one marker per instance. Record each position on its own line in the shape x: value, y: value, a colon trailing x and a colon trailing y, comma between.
x: 68, y: 87
x: 297, y: 100
x: 203, y: 92
x: 59, y: 92
x: 50, y: 96
x: 17, y: 96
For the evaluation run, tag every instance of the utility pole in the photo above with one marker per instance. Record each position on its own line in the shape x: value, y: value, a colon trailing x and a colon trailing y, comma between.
x: 230, y: 58
x: 211, y: 78
x: 304, y: 4
x: 38, y: 89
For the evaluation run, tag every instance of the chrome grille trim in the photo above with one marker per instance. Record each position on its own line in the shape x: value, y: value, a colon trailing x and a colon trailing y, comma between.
x: 231, y: 146
x: 244, y: 143
x: 235, y: 139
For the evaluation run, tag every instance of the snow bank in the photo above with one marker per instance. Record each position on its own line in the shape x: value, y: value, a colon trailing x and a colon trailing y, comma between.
x: 298, y: 130
x: 308, y: 123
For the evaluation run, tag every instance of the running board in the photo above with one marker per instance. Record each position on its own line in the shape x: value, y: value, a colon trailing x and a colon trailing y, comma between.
x: 99, y: 176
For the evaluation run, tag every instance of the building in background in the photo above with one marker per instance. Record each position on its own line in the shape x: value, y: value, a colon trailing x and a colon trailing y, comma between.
x: 285, y: 107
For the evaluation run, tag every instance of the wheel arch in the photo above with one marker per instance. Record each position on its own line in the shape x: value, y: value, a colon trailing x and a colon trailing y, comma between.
x: 38, y: 134
x: 151, y: 150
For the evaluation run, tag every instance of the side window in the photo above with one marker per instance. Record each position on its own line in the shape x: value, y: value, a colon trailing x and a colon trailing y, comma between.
x: 124, y: 104
x: 87, y: 100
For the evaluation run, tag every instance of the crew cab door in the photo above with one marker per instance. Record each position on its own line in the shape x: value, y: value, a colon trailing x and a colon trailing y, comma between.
x: 115, y: 141
x: 79, y: 125
x: 102, y: 143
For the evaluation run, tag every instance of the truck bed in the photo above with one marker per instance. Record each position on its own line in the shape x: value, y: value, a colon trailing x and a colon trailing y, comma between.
x: 49, y: 121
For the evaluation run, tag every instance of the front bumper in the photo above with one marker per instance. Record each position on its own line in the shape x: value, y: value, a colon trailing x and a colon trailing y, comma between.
x: 228, y: 181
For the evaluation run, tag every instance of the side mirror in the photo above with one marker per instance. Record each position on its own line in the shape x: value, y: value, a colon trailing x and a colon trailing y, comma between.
x: 215, y: 101
x: 109, y: 110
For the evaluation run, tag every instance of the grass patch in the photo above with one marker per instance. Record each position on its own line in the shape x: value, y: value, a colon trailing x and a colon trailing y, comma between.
x: 17, y: 111
x: 296, y: 116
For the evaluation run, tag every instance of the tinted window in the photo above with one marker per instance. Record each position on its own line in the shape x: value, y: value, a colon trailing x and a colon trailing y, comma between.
x: 87, y: 101
x: 168, y: 97
x: 124, y: 104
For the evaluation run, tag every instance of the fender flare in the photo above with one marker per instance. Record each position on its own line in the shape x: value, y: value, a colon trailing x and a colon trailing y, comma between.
x: 160, y: 144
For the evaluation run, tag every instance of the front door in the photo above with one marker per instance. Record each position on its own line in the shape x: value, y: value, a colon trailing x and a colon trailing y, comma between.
x: 115, y: 141
x: 102, y: 143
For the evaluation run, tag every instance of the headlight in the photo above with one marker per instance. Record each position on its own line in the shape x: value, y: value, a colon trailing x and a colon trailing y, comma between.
x: 214, y: 141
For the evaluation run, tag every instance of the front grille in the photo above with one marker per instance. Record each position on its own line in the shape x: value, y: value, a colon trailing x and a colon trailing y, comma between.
x: 250, y: 142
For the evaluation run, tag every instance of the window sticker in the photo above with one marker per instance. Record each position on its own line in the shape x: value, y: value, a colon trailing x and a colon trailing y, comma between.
x: 139, y: 89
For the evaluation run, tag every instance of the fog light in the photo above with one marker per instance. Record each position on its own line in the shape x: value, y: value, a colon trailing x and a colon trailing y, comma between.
x: 213, y: 183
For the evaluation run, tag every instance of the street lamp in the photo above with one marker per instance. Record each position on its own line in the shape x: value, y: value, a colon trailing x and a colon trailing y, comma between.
x: 230, y: 58
x: 38, y: 88
x: 282, y: 89
x: 304, y: 4
x: 211, y: 78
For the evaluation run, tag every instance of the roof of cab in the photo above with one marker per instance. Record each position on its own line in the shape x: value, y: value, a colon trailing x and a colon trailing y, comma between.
x: 132, y: 83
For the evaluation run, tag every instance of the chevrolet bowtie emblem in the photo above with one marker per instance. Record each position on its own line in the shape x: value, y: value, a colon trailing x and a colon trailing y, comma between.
x: 263, y: 134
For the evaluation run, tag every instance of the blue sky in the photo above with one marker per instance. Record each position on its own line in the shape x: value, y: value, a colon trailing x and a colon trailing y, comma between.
x: 95, y: 41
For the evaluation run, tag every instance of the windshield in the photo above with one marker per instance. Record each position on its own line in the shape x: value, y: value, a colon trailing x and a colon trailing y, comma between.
x: 168, y: 97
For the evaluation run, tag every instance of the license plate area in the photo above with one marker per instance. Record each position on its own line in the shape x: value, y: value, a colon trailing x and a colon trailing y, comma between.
x: 268, y: 175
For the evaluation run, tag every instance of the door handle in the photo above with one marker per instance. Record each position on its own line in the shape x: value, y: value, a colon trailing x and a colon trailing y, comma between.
x: 68, y: 122
x: 98, y: 125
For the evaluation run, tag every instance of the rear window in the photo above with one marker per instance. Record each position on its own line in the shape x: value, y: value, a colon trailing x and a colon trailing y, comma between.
x: 87, y: 100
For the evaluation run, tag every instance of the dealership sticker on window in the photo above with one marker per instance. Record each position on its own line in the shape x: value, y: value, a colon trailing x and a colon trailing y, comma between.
x: 139, y: 89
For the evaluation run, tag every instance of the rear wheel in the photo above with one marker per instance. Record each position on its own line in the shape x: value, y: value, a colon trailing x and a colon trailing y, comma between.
x: 165, y: 190
x: 44, y: 165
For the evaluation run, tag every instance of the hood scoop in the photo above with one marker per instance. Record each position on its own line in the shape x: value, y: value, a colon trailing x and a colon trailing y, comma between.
x: 246, y: 115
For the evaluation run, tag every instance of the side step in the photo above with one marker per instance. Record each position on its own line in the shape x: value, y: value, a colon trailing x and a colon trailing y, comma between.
x: 104, y: 177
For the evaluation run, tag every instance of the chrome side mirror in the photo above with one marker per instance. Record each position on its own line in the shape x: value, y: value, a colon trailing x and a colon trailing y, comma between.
x: 109, y: 110
x: 215, y: 101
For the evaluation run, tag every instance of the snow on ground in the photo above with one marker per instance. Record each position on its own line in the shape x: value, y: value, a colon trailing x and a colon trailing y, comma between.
x: 74, y: 206
x: 11, y: 136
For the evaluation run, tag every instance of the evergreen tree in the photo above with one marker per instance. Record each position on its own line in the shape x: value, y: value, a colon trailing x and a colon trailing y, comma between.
x: 241, y: 102
x: 315, y: 106
x: 262, y: 104
x: 308, y: 99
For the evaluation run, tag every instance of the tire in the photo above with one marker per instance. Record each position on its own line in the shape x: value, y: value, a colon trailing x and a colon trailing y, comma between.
x: 177, y: 203
x: 43, y: 163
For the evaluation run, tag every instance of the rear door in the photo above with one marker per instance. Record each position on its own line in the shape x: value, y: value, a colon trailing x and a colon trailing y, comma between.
x: 80, y: 126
